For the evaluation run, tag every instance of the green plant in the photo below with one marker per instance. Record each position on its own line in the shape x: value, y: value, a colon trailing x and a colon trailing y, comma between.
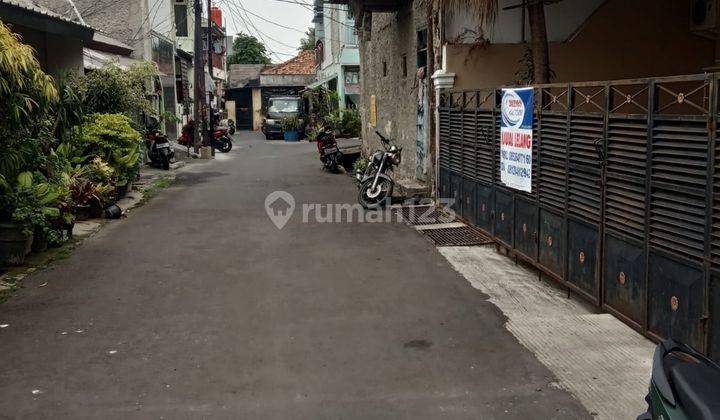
x: 37, y: 206
x: 291, y: 124
x: 99, y: 171
x: 312, y: 134
x: 346, y: 122
x: 68, y: 111
x: 26, y: 90
x: 111, y: 89
x: 110, y: 140
x: 360, y: 165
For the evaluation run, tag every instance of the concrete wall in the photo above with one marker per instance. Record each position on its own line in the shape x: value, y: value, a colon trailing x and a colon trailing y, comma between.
x: 622, y: 39
x: 393, y: 35
x: 126, y: 21
x: 563, y: 20
x: 57, y: 54
x: 279, y: 80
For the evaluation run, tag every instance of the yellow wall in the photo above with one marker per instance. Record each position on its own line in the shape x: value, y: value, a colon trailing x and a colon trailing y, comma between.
x: 622, y: 39
x: 230, y: 109
x: 257, y: 109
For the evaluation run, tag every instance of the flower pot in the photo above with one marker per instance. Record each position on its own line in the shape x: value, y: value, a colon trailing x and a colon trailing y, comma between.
x: 14, y: 244
x: 291, y: 135
x: 97, y: 211
x: 39, y: 243
x: 82, y: 212
x: 121, y: 191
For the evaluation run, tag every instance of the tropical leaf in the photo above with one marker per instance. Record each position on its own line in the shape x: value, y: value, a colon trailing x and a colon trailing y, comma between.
x: 25, y: 180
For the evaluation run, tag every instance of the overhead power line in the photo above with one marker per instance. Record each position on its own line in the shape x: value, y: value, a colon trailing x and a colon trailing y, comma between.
x: 252, y: 29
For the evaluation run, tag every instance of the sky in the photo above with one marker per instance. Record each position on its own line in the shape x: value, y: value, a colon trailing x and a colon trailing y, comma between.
x: 244, y: 16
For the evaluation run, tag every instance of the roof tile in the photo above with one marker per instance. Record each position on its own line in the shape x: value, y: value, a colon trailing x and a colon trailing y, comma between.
x: 303, y: 64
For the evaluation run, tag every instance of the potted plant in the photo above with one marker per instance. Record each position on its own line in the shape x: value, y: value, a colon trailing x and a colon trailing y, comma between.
x: 81, y: 193
x: 291, y: 128
x: 15, y: 244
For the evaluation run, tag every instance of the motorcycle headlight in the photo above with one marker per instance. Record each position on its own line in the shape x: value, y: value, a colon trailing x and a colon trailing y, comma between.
x: 397, y: 158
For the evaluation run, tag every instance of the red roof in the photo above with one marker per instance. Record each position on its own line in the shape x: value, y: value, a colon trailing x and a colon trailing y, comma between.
x: 303, y: 64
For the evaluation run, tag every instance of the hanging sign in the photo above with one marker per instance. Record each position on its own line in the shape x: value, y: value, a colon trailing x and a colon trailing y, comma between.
x: 516, y: 138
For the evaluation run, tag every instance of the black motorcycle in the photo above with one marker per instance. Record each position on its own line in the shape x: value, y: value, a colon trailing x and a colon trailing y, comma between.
x: 330, y: 154
x: 685, y: 385
x: 376, y: 186
x: 159, y: 149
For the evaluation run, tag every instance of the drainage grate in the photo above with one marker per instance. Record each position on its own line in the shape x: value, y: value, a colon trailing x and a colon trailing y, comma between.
x: 423, y: 215
x: 457, y: 236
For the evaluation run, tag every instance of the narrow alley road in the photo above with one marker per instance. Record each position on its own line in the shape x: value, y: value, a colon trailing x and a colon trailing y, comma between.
x: 197, y: 306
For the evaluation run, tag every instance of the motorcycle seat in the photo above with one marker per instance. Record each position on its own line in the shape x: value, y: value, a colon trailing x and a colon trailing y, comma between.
x: 697, y: 387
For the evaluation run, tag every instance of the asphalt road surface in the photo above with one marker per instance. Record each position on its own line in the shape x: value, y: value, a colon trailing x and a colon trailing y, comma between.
x: 197, y: 306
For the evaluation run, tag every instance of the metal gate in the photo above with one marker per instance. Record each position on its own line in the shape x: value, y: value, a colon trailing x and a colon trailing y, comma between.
x: 625, y: 202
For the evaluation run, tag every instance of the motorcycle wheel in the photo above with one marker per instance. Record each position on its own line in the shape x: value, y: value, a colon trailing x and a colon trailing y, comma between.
x: 371, y: 198
x: 164, y: 160
x: 334, y: 162
x: 225, y: 145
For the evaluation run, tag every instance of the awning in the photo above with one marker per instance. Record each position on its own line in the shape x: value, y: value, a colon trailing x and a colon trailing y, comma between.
x: 321, y: 82
x: 94, y: 59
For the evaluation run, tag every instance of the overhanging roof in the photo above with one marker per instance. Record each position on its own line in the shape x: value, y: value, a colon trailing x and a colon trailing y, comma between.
x: 28, y: 14
x: 322, y: 82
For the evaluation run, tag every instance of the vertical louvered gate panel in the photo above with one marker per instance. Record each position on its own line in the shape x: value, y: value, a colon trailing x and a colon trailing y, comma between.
x: 678, y: 210
x: 526, y: 206
x: 714, y: 289
x: 624, y: 279
x: 552, y: 190
x: 467, y: 200
x: 444, y: 147
x: 456, y: 153
x: 485, y: 128
x: 587, y: 133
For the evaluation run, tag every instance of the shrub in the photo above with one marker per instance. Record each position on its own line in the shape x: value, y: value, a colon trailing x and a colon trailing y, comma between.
x: 346, y: 122
x: 37, y: 204
x: 111, y: 89
x: 360, y: 165
x: 291, y: 124
x: 110, y: 139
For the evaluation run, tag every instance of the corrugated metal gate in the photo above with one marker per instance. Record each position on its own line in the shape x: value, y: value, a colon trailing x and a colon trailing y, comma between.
x: 625, y: 202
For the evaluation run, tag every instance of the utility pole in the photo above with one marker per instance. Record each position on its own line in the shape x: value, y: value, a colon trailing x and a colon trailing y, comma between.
x: 198, y: 76
x: 210, y: 70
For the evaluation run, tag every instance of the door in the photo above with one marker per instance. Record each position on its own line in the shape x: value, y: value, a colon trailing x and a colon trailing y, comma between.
x: 243, y: 109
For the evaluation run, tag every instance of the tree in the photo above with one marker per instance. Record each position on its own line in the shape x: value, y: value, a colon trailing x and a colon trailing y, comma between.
x: 248, y: 50
x: 308, y: 43
x: 486, y: 11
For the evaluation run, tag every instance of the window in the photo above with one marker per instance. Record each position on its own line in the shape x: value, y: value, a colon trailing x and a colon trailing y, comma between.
x: 283, y: 106
x: 384, y: 68
x: 352, y: 77
x: 422, y: 40
x: 181, y: 21
x: 403, y: 65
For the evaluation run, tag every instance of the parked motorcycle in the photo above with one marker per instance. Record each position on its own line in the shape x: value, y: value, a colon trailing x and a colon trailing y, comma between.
x: 685, y: 385
x: 159, y: 149
x: 375, y: 185
x: 221, y: 139
x: 330, y: 154
x: 228, y: 123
